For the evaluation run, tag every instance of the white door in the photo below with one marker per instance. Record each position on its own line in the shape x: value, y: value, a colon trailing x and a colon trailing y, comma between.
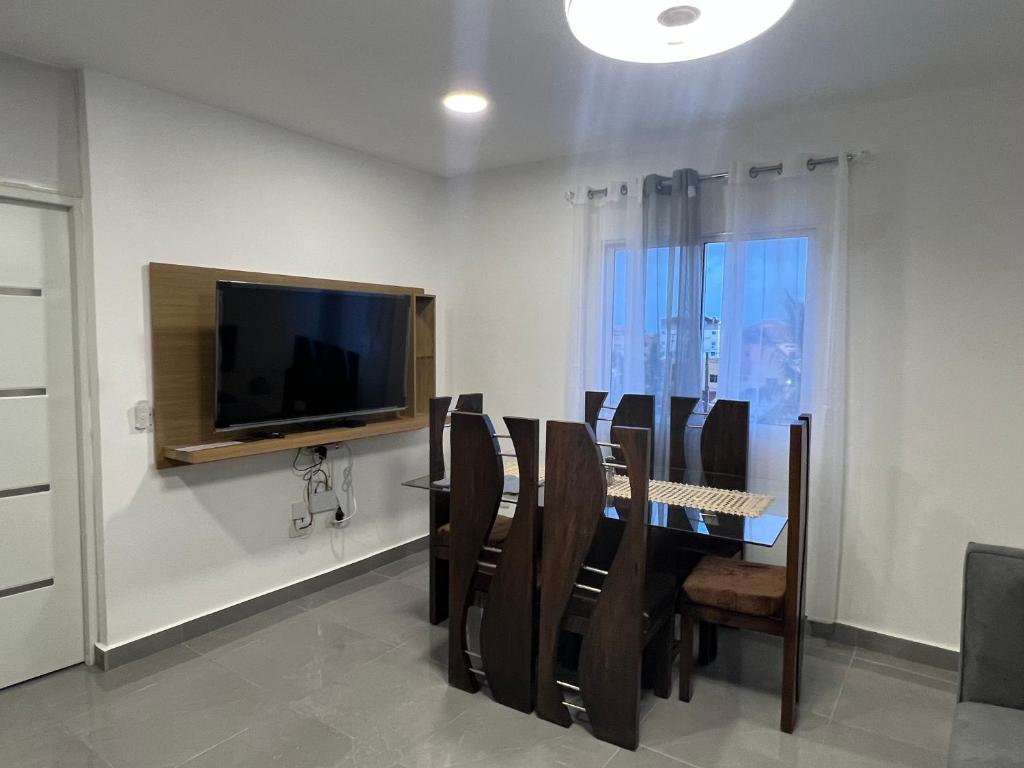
x: 41, y: 615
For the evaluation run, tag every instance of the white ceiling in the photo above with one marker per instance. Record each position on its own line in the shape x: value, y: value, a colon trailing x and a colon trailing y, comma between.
x: 368, y: 73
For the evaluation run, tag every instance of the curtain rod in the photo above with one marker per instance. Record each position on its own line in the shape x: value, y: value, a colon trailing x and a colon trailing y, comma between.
x: 755, y: 171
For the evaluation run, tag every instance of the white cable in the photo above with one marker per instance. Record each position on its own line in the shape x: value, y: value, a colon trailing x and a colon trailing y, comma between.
x: 346, y: 481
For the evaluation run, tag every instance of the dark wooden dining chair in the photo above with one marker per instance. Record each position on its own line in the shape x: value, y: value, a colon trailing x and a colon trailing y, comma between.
x: 724, y: 443
x: 632, y: 411
x: 680, y: 409
x: 439, y: 500
x: 724, y: 438
x: 501, y: 575
x: 620, y: 612
x: 754, y: 596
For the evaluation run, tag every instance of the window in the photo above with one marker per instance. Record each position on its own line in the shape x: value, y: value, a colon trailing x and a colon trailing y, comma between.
x: 659, y: 318
x: 763, y: 293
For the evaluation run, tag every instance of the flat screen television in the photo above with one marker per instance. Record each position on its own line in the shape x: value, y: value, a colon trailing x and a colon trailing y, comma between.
x: 287, y: 355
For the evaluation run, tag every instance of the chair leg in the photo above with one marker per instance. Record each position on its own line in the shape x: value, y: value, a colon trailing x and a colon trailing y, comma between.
x: 685, y: 654
x: 663, y: 659
x: 799, y: 662
x: 707, y: 651
x: 438, y: 589
x: 790, y: 665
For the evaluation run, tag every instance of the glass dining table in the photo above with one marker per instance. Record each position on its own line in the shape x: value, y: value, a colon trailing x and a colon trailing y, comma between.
x: 762, y: 530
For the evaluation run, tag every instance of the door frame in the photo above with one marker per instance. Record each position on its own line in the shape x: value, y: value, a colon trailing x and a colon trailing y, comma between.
x: 86, y: 386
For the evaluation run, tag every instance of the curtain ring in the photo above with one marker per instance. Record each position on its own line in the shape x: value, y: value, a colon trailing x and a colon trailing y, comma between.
x: 624, y: 190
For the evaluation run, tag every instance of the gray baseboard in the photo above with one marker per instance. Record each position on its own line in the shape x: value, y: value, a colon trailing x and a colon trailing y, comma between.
x: 136, y: 649
x: 921, y: 653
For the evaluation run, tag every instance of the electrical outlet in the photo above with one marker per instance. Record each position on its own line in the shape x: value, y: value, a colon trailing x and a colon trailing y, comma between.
x: 142, y: 416
x: 300, y: 516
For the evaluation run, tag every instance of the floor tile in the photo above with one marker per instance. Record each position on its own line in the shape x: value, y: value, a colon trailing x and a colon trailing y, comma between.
x: 300, y: 655
x: 173, y: 719
x: 644, y: 758
x: 340, y: 590
x: 949, y: 676
x: 240, y: 631
x: 280, y: 738
x: 429, y: 643
x: 52, y: 749
x: 898, y: 704
x: 21, y: 716
x: 71, y: 692
x: 390, y: 611
x: 390, y: 703
x: 481, y: 732
x: 400, y: 569
x: 753, y: 660
x: 815, y: 744
x: 717, y: 706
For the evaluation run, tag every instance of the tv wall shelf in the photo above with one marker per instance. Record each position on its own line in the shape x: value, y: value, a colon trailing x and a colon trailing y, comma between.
x: 183, y: 336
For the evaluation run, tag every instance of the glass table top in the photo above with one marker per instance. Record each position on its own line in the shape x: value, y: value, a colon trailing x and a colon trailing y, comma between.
x: 763, y: 531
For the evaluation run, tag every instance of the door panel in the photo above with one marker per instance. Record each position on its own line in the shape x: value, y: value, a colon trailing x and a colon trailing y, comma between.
x: 26, y: 547
x: 25, y: 450
x: 27, y: 232
x: 22, y: 335
x: 41, y: 615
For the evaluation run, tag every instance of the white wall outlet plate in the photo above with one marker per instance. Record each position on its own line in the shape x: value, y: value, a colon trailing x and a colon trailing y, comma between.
x: 142, y: 413
x: 300, y: 511
x: 300, y: 516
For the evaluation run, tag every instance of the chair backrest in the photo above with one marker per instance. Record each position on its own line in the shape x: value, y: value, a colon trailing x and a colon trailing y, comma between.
x: 991, y: 657
x: 575, y: 499
x: 575, y: 491
x: 438, y: 414
x: 680, y: 409
x: 796, y: 541
x: 724, y: 440
x: 593, y: 402
x: 438, y: 418
x: 636, y: 411
x: 632, y: 411
x: 507, y: 629
x: 611, y: 691
x: 477, y: 481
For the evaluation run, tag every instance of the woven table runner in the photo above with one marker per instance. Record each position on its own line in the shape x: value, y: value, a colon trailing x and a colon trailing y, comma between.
x: 512, y: 470
x: 718, y: 500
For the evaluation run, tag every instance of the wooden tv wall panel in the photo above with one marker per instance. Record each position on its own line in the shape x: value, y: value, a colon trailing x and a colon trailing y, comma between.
x: 183, y: 331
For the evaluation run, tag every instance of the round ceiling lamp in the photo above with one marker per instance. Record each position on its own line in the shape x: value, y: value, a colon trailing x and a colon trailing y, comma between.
x: 663, y: 31
x: 465, y: 102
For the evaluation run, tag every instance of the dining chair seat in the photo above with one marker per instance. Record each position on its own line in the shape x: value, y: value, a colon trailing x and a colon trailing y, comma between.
x: 753, y: 589
x: 499, y: 531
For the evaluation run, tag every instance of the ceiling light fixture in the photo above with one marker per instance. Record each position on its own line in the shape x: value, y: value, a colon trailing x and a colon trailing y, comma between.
x: 465, y: 102
x: 663, y: 31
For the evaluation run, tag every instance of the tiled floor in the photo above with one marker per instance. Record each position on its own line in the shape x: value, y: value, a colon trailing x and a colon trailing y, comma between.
x: 354, y: 676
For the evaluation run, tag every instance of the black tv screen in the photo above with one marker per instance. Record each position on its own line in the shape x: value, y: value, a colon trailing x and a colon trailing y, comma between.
x: 287, y: 355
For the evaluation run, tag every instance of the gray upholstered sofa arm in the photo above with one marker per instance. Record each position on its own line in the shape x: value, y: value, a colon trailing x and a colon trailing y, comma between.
x: 992, y: 629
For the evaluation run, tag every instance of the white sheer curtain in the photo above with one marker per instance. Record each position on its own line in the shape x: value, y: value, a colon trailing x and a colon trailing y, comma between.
x: 783, y: 337
x: 606, y: 223
x: 639, y: 251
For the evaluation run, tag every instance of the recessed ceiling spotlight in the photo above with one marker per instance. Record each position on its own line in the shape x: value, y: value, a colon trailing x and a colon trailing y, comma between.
x: 663, y: 31
x: 465, y: 102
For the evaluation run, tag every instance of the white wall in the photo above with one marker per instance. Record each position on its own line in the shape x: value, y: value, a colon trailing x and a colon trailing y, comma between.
x: 936, y: 323
x: 175, y: 181
x: 38, y: 126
